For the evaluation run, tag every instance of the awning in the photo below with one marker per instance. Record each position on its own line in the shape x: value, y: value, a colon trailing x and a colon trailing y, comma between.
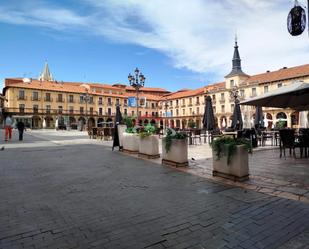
x: 294, y: 96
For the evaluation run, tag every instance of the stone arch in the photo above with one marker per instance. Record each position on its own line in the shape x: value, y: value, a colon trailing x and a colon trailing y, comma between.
x: 49, y: 121
x: 178, y: 123
x: 100, y: 122
x: 36, y: 122
x: 109, y: 122
x: 172, y: 124
x: 295, y: 118
x: 223, y: 122
x: 184, y: 123
x: 153, y: 122
x: 146, y: 122
x: 72, y: 123
x: 268, y: 121
x: 161, y: 124
x: 91, y: 122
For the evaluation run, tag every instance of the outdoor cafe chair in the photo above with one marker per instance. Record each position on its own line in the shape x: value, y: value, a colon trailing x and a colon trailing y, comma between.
x: 288, y: 141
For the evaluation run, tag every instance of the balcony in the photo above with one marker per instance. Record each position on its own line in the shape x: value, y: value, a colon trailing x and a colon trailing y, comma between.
x: 71, y: 101
x: 60, y: 100
x: 21, y: 98
x: 35, y: 98
x: 190, y: 105
x: 100, y: 102
x: 109, y: 103
x: 183, y: 105
x: 48, y: 99
x: 197, y: 103
x: 221, y: 101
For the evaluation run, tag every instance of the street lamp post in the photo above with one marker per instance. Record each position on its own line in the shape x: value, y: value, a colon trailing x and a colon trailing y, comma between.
x: 137, y: 82
x: 166, y: 106
x: 86, y: 99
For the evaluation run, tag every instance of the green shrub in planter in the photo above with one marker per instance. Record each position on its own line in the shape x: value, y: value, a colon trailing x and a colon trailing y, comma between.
x: 226, y: 144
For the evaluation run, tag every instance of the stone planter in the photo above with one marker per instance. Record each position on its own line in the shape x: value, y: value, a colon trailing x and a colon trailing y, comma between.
x: 130, y: 142
x: 121, y: 131
x: 178, y: 153
x: 237, y: 169
x: 149, y: 147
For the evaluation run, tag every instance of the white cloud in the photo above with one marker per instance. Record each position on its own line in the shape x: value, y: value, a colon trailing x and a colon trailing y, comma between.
x: 197, y: 35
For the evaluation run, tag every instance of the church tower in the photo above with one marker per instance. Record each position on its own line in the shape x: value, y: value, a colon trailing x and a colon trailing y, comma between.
x: 236, y: 76
x: 46, y: 75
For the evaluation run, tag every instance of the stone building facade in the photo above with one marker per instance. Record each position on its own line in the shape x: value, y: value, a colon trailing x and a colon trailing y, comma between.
x: 45, y: 103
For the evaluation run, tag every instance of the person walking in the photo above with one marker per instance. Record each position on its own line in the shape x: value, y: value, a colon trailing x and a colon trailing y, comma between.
x: 8, y: 128
x: 21, y: 128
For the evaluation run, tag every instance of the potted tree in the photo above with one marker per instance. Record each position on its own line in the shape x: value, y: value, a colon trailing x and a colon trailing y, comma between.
x: 230, y: 158
x: 130, y: 141
x: 149, y: 142
x: 175, y: 149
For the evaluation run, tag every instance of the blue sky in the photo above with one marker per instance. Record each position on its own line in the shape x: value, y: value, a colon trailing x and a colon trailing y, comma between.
x: 176, y: 43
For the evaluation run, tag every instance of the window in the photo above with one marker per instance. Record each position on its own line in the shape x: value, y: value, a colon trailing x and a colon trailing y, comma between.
x: 265, y: 89
x: 190, y: 111
x: 91, y: 99
x: 48, y: 109
x: 171, y: 103
x: 160, y: 114
x: 223, y: 109
x: 153, y: 114
x: 183, y: 102
x: 183, y: 112
x: 222, y: 96
x: 125, y: 112
x: 177, y: 102
x: 213, y: 97
x: 146, y: 114
x: 81, y: 109
x: 71, y: 109
x: 109, y: 101
x: 71, y: 98
x: 60, y: 109
x: 279, y: 85
x: 109, y: 111
x: 232, y: 107
x: 117, y: 102
x: 242, y: 93
x: 81, y: 98
x: 197, y: 110
x: 100, y: 101
x: 232, y: 83
x: 171, y: 113
x: 253, y: 92
x: 152, y: 105
x: 125, y: 102
x: 35, y: 96
x: 197, y: 100
x: 177, y: 112
x: 21, y: 94
x: 214, y: 108
x: 60, y: 98
x: 35, y: 108
x: 21, y: 108
x: 47, y: 97
x: 132, y: 113
x: 91, y: 110
x: 190, y: 101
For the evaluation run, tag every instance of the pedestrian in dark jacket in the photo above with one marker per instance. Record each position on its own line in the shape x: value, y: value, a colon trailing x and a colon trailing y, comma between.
x: 21, y: 128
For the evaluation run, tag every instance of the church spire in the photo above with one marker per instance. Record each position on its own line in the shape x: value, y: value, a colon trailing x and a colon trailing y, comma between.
x: 236, y: 62
x: 46, y: 75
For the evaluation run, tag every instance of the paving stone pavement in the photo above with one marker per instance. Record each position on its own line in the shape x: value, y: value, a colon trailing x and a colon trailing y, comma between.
x: 86, y: 196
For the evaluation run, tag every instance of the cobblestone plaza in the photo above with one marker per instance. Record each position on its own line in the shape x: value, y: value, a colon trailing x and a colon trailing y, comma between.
x: 58, y: 190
